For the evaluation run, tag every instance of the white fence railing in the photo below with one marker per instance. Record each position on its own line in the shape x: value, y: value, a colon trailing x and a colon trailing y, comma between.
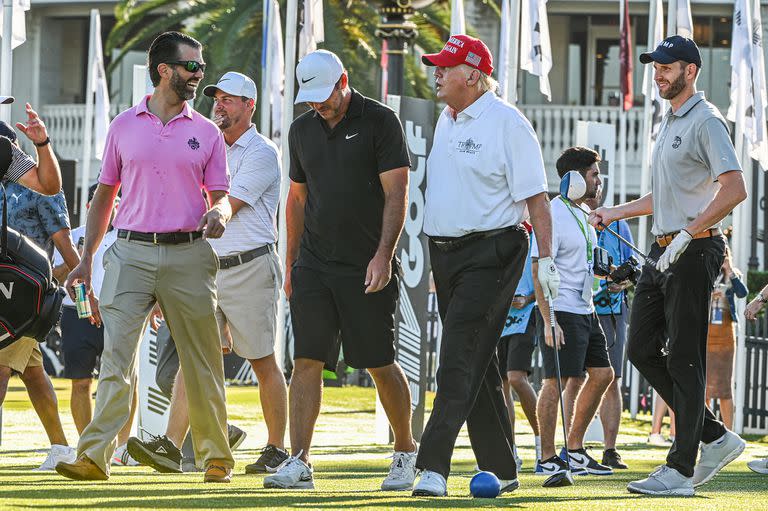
x: 65, y: 127
x: 555, y: 126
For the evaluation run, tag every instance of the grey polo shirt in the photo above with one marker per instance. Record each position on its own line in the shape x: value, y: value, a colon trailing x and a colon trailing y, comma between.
x: 693, y: 148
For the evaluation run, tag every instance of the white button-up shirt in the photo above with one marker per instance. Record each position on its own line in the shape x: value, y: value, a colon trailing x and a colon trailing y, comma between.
x: 254, y: 164
x: 482, y: 167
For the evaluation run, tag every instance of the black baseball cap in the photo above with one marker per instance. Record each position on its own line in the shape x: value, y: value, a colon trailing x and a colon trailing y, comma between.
x: 673, y: 49
x: 7, y: 132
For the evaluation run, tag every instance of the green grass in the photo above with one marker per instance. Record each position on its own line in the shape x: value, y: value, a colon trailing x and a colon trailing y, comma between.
x: 349, y: 468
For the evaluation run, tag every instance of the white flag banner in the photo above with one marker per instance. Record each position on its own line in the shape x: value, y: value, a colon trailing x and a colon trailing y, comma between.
x: 535, y: 50
x: 19, y: 34
x: 313, y: 30
x: 659, y: 104
x: 758, y: 148
x: 742, y: 108
x: 101, y: 103
x: 684, y: 19
x: 505, y: 46
x: 278, y: 71
x: 457, y: 17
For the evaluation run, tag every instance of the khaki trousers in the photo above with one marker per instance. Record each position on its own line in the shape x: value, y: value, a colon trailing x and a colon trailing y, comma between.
x: 182, y: 279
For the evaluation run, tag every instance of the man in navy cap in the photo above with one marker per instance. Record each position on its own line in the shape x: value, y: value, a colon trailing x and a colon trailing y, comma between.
x: 697, y: 181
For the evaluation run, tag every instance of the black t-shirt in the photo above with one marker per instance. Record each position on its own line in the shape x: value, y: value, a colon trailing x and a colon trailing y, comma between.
x: 341, y: 167
x: 6, y: 156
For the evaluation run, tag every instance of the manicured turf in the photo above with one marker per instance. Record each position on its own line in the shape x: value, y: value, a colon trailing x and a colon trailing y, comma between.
x: 349, y: 470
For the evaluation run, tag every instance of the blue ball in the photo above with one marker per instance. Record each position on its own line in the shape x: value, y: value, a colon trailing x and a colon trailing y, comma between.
x: 485, y: 485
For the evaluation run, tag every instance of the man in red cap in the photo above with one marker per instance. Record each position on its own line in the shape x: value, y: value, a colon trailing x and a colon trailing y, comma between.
x: 484, y: 169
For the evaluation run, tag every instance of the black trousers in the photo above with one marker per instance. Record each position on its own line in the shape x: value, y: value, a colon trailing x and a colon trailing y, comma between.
x: 475, y: 285
x: 668, y: 342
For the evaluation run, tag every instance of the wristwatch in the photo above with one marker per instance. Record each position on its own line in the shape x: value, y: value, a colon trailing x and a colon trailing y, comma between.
x: 761, y: 298
x: 44, y: 142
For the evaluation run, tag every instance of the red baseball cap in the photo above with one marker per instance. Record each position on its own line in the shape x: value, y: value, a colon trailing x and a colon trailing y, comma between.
x: 462, y: 49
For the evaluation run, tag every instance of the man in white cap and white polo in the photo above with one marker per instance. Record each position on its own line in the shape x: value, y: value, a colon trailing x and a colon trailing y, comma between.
x: 346, y: 208
x: 248, y: 281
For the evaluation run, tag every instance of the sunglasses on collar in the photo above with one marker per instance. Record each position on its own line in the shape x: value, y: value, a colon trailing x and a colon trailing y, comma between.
x: 189, y: 65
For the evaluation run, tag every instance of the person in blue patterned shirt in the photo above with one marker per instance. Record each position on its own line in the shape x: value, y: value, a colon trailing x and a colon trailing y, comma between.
x: 611, y: 307
x: 44, y: 220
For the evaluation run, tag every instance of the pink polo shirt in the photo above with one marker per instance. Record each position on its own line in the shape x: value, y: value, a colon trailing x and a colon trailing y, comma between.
x: 163, y: 169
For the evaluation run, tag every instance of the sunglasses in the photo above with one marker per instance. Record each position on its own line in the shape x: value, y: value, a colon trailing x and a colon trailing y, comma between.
x: 189, y: 65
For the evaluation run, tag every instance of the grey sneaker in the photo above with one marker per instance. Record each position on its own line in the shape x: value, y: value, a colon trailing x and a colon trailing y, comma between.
x: 716, y: 455
x: 663, y: 481
x: 293, y: 473
x: 760, y: 466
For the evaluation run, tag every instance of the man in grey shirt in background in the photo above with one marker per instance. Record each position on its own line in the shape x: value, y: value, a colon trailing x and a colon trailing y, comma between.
x: 697, y: 181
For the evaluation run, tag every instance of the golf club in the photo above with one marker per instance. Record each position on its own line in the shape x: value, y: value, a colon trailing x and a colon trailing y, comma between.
x: 561, y: 478
x: 573, y: 187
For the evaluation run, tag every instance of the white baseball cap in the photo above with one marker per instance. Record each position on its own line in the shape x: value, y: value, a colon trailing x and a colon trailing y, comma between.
x: 6, y: 100
x: 234, y: 84
x: 317, y: 74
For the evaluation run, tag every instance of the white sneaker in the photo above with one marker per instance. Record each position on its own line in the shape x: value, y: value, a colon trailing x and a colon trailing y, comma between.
x: 292, y: 473
x: 716, y: 455
x: 402, y: 471
x: 57, y: 454
x: 760, y: 466
x: 658, y: 439
x: 663, y: 481
x: 431, y: 484
x: 519, y: 463
x: 122, y: 458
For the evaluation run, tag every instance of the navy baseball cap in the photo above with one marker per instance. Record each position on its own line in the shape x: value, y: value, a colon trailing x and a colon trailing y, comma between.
x: 7, y: 132
x: 673, y: 49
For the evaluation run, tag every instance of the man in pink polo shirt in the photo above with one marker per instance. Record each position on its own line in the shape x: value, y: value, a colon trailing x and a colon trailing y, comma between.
x: 163, y: 154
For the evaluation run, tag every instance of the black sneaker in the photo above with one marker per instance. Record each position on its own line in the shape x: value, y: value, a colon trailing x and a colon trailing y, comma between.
x: 552, y: 466
x: 236, y: 436
x: 159, y: 453
x: 271, y: 458
x: 611, y: 458
x: 580, y: 460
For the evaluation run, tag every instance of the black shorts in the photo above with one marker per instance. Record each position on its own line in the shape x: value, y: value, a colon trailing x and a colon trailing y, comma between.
x: 516, y: 350
x: 81, y: 344
x: 329, y: 311
x: 585, y: 346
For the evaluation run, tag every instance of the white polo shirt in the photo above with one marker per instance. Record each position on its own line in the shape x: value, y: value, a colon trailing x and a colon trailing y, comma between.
x: 570, y: 232
x: 254, y: 165
x: 97, y: 278
x: 482, y: 167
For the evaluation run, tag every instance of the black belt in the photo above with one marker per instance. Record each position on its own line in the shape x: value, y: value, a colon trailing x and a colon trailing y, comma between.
x: 166, y: 238
x: 243, y: 257
x: 447, y: 244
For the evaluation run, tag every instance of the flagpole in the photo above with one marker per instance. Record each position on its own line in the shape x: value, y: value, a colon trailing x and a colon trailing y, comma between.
x: 6, y: 64
x: 264, y: 107
x: 514, y: 48
x: 290, y: 71
x: 85, y: 168
x: 622, y: 127
x: 671, y: 18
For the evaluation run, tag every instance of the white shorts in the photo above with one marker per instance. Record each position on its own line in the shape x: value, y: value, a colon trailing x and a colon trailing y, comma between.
x: 248, y: 295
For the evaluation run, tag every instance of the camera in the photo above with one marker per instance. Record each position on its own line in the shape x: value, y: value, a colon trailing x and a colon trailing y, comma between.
x: 629, y: 270
x: 602, y: 262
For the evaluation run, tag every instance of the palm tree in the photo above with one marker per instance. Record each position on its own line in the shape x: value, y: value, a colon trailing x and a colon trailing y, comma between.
x: 231, y: 33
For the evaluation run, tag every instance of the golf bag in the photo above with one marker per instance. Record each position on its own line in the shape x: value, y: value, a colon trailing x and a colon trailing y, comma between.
x: 30, y: 298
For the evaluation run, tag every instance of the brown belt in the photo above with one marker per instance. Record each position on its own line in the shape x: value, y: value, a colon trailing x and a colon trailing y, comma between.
x: 666, y: 239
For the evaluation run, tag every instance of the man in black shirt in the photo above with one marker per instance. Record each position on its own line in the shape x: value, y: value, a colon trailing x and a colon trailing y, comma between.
x: 346, y: 208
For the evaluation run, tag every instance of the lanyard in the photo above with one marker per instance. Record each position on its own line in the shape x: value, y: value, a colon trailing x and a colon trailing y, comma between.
x: 583, y: 231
